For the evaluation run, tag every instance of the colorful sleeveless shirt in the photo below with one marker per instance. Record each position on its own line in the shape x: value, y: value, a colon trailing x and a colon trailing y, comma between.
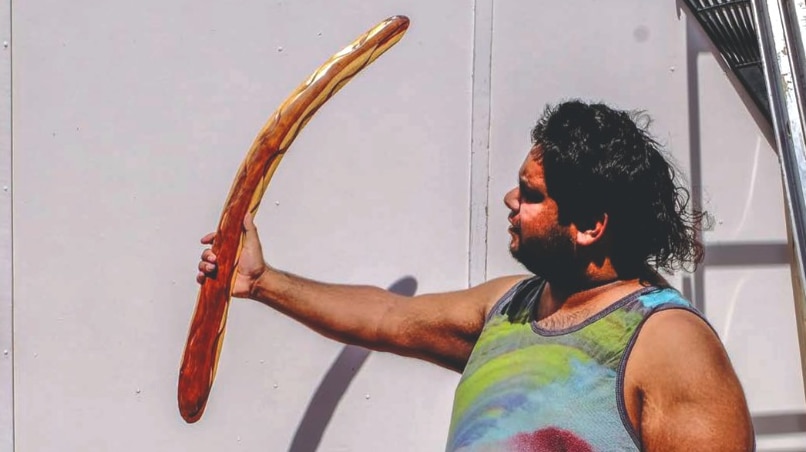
x: 528, y: 389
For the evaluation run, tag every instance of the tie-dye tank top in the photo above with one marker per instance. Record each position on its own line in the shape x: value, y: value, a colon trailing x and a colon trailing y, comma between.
x: 528, y: 389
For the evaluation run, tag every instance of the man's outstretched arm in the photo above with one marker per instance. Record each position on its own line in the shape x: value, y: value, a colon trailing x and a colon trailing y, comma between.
x: 441, y: 328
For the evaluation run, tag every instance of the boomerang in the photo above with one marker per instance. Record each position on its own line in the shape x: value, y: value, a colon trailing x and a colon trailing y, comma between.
x: 203, y: 346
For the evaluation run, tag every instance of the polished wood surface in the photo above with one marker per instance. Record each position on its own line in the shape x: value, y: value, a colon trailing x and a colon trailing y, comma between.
x: 205, y: 338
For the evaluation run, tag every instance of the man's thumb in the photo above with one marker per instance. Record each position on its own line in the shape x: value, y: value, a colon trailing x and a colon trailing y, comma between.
x: 249, y: 229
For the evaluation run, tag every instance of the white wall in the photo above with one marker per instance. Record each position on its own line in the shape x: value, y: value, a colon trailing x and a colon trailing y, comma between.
x: 130, y: 120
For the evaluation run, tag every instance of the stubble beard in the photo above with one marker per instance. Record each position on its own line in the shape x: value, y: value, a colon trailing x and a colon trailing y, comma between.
x: 551, y: 256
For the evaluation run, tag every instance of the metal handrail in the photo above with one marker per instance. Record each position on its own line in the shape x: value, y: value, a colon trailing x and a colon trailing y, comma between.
x: 780, y: 25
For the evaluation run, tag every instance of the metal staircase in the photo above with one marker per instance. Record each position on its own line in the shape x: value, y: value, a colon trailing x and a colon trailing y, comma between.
x: 731, y: 27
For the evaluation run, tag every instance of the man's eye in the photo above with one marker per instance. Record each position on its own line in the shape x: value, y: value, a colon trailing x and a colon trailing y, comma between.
x: 530, y: 196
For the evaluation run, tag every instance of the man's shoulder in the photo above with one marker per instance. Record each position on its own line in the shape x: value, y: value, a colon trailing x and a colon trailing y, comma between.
x: 476, y: 301
x: 675, y: 347
x: 502, y: 284
x: 492, y: 291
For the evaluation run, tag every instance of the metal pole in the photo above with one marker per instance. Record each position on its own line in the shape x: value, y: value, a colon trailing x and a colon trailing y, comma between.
x: 780, y: 32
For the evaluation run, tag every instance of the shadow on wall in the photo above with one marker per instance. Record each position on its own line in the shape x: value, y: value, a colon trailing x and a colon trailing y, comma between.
x: 335, y: 383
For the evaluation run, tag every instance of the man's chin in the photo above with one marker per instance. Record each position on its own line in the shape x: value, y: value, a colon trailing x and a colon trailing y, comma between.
x: 514, y: 251
x: 525, y: 258
x: 514, y: 243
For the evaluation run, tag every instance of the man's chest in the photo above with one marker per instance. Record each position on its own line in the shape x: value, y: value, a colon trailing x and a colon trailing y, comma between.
x: 524, y: 386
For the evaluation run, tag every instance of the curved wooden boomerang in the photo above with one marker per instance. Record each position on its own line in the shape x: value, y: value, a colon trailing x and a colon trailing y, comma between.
x: 206, y: 334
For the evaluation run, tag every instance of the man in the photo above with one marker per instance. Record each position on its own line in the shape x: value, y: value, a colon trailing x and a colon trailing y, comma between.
x: 594, y: 352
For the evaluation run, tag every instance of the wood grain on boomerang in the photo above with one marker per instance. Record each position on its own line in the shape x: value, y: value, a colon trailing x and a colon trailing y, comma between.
x: 200, y: 358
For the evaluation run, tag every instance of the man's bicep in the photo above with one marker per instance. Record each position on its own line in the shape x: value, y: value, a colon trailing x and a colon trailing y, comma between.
x: 691, y: 398
x: 443, y: 327
x: 475, y: 302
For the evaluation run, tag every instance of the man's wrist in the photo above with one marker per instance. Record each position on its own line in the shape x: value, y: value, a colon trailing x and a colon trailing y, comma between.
x: 260, y: 288
x: 257, y: 283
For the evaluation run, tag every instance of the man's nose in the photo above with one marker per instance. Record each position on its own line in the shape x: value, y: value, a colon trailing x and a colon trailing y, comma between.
x: 511, y: 199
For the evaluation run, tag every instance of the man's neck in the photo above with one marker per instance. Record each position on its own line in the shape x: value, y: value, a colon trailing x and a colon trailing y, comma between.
x: 565, y: 305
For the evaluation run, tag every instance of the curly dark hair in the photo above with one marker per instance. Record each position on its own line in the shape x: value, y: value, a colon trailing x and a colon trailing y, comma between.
x: 599, y: 160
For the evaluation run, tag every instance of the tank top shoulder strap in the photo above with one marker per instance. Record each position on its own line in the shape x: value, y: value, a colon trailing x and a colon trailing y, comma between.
x: 658, y: 299
x: 518, y: 301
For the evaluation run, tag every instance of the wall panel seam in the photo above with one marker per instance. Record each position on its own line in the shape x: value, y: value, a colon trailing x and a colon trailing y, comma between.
x: 480, y: 140
x: 6, y: 239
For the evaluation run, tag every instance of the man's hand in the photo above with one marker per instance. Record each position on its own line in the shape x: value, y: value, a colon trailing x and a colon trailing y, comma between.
x: 251, y: 265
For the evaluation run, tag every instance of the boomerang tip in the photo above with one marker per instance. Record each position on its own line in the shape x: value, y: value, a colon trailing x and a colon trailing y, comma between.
x: 190, y: 411
x: 403, y: 21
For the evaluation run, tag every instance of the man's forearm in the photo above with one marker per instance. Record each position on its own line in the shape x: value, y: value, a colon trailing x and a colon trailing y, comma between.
x: 350, y: 314
x: 438, y: 327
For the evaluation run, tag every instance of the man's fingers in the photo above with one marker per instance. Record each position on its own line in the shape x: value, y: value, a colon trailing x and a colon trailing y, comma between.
x: 208, y: 256
x: 208, y: 239
x: 206, y: 267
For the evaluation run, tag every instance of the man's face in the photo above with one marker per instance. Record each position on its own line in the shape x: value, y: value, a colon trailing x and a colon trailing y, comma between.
x: 538, y: 240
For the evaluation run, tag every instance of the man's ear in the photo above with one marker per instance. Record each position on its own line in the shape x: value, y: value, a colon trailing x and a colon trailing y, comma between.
x: 591, y: 231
